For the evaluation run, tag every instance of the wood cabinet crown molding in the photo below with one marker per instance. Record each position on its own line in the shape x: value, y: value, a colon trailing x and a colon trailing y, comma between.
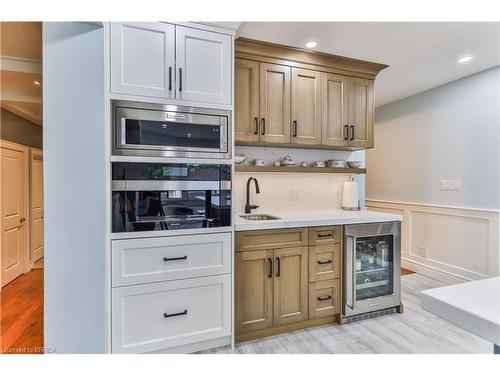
x: 276, y: 53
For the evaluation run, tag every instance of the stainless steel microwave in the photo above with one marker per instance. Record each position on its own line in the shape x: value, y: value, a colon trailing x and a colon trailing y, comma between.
x: 146, y: 129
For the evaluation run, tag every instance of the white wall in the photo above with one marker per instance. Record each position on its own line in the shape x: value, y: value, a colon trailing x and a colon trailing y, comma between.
x: 294, y: 191
x: 74, y: 187
x: 447, y: 133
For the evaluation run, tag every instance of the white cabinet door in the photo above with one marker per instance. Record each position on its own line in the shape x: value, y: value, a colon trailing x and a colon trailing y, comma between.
x: 159, y: 316
x: 204, y: 68
x: 145, y: 260
x: 143, y: 59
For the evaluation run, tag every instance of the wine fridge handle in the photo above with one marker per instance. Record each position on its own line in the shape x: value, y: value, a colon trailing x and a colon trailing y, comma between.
x: 350, y: 272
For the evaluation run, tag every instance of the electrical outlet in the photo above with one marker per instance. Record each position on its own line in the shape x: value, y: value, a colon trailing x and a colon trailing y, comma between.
x: 451, y: 185
x: 337, y: 193
x: 422, y: 251
x: 294, y: 195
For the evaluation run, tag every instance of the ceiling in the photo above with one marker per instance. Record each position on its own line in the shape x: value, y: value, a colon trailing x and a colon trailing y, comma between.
x: 21, y: 66
x: 420, y: 55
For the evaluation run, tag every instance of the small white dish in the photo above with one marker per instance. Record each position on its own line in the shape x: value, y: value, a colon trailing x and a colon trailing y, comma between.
x: 336, y: 163
x: 319, y: 164
x: 238, y: 159
x: 354, y: 164
x: 258, y: 163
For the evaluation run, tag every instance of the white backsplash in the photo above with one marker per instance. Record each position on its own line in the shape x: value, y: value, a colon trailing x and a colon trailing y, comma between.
x: 293, y: 191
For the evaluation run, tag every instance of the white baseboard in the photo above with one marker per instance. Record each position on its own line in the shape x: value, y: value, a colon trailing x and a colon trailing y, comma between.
x: 432, y: 272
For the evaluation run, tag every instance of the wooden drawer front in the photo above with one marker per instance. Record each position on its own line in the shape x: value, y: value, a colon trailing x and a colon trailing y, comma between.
x: 167, y: 258
x: 324, y: 298
x: 325, y: 235
x: 324, y: 262
x: 139, y: 325
x: 271, y: 239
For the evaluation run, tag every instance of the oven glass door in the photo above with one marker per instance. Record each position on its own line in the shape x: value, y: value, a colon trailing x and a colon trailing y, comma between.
x: 374, y: 267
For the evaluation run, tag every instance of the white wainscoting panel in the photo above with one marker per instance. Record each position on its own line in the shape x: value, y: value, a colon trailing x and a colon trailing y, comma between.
x: 446, y: 243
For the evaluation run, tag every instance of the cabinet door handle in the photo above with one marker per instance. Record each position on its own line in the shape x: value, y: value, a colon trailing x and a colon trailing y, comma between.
x: 278, y: 268
x: 352, y: 132
x: 169, y: 78
x: 165, y: 315
x: 256, y: 130
x: 270, y: 274
x: 180, y: 79
x: 263, y: 126
x: 324, y: 298
x: 295, y: 128
x: 325, y: 261
x: 178, y: 258
x: 346, y: 132
x: 325, y: 235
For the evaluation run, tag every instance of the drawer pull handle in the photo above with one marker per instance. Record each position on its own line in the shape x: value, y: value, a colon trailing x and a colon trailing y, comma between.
x: 325, y: 235
x: 324, y: 298
x: 325, y: 261
x: 178, y: 258
x: 165, y: 315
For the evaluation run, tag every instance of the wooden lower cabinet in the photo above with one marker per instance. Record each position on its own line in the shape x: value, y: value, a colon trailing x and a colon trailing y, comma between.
x: 282, y: 287
x: 254, y: 290
x: 290, y: 285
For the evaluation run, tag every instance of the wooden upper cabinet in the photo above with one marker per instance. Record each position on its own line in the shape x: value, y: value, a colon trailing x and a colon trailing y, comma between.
x: 254, y: 290
x: 306, y: 106
x: 204, y: 68
x: 360, y: 112
x: 335, y: 108
x: 246, y: 119
x: 142, y: 55
x: 274, y: 103
x: 291, y: 285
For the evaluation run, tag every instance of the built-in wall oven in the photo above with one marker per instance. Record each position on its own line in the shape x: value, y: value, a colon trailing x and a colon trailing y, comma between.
x: 168, y: 196
x: 372, y: 274
x: 146, y: 129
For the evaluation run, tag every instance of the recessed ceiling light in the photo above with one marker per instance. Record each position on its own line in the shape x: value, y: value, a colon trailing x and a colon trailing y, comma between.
x: 464, y: 59
x: 36, y: 83
x: 311, y: 44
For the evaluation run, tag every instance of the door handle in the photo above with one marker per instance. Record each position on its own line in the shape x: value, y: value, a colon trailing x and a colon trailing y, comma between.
x: 169, y: 78
x: 325, y: 261
x: 22, y: 220
x: 295, y: 128
x: 352, y: 132
x: 263, y: 126
x: 278, y: 268
x: 324, y: 298
x: 165, y: 315
x: 178, y: 258
x: 270, y: 274
x: 256, y: 131
x: 350, y: 269
x: 180, y: 79
x: 346, y: 132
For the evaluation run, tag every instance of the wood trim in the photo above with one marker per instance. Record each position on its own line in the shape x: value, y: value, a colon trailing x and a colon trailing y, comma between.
x: 300, y: 58
x: 268, y: 239
x: 293, y: 145
x: 251, y: 168
x: 286, y: 328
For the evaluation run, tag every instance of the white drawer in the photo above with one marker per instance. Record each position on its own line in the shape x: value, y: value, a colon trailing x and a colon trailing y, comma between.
x: 139, y: 324
x: 147, y: 260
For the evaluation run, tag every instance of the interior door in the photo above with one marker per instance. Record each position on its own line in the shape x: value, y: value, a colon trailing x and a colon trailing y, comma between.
x: 143, y: 59
x: 36, y: 203
x: 246, y: 119
x: 306, y: 106
x: 204, y: 65
x: 14, y: 175
x: 254, y: 290
x: 290, y: 285
x: 360, y: 112
x: 335, y: 110
x: 274, y: 103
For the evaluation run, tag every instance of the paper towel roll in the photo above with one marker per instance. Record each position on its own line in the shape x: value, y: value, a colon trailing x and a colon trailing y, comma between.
x: 350, y: 196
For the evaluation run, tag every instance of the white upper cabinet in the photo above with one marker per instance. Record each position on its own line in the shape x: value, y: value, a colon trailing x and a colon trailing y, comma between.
x: 143, y: 59
x: 168, y: 61
x: 203, y: 65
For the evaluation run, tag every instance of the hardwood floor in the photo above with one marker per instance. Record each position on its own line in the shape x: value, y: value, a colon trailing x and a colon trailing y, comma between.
x: 21, y: 327
x: 404, y: 272
x: 415, y: 331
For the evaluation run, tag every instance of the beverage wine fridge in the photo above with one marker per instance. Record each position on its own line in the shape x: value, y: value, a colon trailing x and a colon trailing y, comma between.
x: 372, y: 273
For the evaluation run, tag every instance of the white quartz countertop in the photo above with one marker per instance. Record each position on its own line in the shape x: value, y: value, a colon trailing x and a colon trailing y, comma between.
x: 473, y: 305
x: 311, y: 218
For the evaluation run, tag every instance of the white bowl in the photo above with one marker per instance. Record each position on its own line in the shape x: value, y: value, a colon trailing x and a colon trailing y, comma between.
x: 238, y: 159
x: 354, y: 164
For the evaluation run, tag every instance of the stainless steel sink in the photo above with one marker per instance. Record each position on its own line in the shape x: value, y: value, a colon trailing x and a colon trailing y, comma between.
x: 259, y: 217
